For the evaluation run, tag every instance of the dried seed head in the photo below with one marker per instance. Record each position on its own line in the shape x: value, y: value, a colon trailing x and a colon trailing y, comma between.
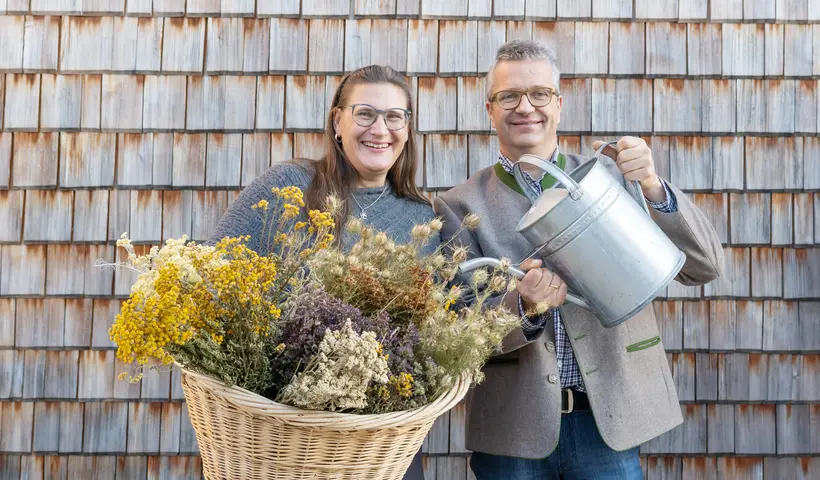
x: 436, y: 224
x: 460, y: 254
x: 471, y: 221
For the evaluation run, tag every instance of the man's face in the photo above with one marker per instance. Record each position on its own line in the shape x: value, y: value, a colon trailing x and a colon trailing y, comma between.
x: 525, y: 129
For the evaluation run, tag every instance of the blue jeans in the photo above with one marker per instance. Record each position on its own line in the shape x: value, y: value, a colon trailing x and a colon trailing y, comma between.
x: 581, y: 454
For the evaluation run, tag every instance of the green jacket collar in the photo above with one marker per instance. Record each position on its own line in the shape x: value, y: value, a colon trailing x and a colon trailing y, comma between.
x: 547, y: 182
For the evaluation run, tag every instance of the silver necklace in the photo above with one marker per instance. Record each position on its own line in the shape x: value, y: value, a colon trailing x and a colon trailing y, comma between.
x: 363, y: 214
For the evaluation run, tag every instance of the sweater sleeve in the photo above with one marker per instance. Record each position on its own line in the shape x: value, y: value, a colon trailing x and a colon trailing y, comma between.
x: 241, y: 219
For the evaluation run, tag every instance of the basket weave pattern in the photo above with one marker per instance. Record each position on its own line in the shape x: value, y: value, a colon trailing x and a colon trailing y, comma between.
x: 243, y: 435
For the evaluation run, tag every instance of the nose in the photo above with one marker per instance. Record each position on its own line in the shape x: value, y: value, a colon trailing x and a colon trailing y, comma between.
x: 524, y: 106
x: 379, y: 127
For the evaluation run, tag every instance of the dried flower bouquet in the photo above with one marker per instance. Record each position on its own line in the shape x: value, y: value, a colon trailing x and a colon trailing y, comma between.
x: 376, y: 328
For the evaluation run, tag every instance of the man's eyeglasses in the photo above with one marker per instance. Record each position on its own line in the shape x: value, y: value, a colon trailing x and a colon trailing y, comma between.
x: 365, y: 115
x: 537, y: 96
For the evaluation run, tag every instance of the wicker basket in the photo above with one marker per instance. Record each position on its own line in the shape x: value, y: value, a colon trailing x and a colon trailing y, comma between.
x: 243, y: 435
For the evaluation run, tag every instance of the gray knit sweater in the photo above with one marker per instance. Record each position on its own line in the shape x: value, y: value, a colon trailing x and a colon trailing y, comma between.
x: 393, y: 215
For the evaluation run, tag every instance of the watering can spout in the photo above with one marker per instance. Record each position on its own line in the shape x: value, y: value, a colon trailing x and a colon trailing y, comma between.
x: 516, y: 272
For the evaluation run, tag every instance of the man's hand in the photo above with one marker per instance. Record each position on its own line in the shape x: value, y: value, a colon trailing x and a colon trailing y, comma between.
x: 540, y: 286
x: 634, y: 160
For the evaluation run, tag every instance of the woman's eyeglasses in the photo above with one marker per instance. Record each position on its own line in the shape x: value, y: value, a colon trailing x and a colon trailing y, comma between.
x: 365, y: 115
x: 537, y: 96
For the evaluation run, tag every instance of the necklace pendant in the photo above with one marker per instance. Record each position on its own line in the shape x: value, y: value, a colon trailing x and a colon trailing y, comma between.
x: 363, y: 215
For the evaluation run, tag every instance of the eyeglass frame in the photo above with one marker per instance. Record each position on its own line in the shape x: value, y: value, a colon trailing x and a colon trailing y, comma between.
x: 407, y: 115
x: 553, y: 91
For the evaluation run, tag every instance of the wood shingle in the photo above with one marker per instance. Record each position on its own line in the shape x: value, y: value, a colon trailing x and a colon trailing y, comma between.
x: 665, y: 49
x: 12, y: 28
x: 6, y: 139
x: 458, y: 47
x: 11, y: 215
x: 617, y: 103
x: 92, y: 100
x: 691, y: 162
x: 256, y: 156
x: 390, y: 46
x: 61, y: 103
x: 122, y: 102
x: 22, y: 105
x: 560, y: 37
x: 735, y: 280
x: 677, y: 106
x: 104, y: 427
x: 750, y: 213
x: 288, y: 45
x: 437, y: 104
x: 422, y: 46
x: 183, y: 45
x: 727, y: 162
x: 774, y: 41
x: 86, y: 44
x: 806, y: 106
x: 446, y: 162
x: 767, y: 272
x: 189, y: 160
x: 326, y: 45
x: 743, y: 50
x: 87, y: 159
x: 801, y: 275
x: 78, y: 322
x: 221, y: 103
x: 22, y: 269
x: 221, y: 166
x: 704, y: 48
x: 164, y: 101
x: 41, y: 44
x: 626, y: 48
x: 592, y: 48
x: 763, y: 174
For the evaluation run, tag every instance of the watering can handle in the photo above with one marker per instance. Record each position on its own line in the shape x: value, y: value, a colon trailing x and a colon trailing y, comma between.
x: 638, y: 195
x: 479, y: 262
x: 571, y: 185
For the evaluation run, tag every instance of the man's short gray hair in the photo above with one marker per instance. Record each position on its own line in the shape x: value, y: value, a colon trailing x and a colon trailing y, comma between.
x: 517, y: 50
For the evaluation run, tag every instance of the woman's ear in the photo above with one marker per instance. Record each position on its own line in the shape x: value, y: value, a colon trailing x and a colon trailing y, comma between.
x: 337, y: 118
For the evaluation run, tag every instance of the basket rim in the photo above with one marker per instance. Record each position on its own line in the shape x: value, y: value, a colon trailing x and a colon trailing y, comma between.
x: 258, y: 405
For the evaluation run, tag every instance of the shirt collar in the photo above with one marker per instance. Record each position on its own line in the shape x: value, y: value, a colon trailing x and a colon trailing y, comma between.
x: 507, y: 164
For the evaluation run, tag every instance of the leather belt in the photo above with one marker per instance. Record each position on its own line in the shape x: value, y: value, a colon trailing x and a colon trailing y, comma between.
x: 572, y: 400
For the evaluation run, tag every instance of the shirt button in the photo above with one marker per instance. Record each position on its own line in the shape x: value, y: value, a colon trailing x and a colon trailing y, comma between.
x: 553, y: 378
x: 550, y: 346
x: 560, y: 364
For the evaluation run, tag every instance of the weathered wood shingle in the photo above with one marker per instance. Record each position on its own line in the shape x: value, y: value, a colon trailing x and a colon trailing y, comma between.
x: 87, y: 159
x: 665, y: 49
x: 743, y: 49
x: 767, y: 272
x: 458, y: 47
x: 616, y: 103
x: 40, y: 45
x: 691, y: 162
x: 626, y: 48
x: 34, y: 160
x: 11, y: 215
x: 22, y: 105
x: 12, y: 29
x: 422, y: 46
x: 221, y: 103
x: 122, y: 102
x: 763, y: 174
x: 801, y: 273
x: 437, y: 104
x: 22, y: 270
x: 704, y: 48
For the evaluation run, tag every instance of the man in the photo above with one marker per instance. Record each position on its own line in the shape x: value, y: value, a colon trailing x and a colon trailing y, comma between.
x: 566, y: 396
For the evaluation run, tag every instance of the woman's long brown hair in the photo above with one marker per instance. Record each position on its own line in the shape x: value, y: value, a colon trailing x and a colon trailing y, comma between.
x: 333, y: 172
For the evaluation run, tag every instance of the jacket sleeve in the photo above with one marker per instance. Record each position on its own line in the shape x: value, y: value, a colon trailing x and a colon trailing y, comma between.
x: 690, y: 230
x: 451, y: 222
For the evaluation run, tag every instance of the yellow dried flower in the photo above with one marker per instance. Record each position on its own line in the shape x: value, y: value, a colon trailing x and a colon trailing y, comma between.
x: 261, y: 204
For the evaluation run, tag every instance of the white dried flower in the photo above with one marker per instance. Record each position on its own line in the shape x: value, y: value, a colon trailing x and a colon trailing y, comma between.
x: 354, y: 225
x: 421, y: 232
x: 381, y: 239
x: 460, y: 254
x: 470, y: 221
x: 480, y: 277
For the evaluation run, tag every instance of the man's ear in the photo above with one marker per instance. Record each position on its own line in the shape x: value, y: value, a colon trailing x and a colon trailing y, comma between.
x: 489, y: 107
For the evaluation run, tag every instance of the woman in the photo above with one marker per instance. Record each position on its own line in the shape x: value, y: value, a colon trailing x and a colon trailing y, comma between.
x: 370, y: 164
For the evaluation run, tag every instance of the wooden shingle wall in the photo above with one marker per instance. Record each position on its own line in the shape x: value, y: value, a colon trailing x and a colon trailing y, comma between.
x: 150, y: 116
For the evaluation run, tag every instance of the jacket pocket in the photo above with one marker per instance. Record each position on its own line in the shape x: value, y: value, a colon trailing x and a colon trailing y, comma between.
x: 505, y: 359
x: 643, y: 344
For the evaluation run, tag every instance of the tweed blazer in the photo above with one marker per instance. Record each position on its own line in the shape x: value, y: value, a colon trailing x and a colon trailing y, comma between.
x: 516, y: 410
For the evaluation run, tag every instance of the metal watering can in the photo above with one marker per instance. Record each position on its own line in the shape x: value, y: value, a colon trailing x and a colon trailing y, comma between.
x: 602, y: 242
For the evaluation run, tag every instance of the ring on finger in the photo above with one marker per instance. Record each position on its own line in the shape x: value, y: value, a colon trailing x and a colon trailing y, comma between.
x: 555, y: 286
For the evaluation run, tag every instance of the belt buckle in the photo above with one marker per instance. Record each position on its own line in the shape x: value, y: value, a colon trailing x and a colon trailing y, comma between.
x: 570, y: 400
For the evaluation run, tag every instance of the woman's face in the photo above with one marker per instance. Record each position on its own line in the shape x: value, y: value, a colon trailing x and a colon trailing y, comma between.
x: 372, y: 150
